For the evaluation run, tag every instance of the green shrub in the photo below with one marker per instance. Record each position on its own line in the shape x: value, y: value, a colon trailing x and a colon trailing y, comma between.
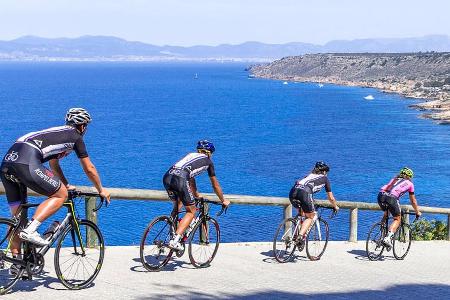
x: 424, y: 230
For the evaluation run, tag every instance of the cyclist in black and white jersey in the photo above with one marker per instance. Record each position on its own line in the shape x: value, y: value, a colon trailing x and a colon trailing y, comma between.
x: 301, y: 194
x: 23, y: 166
x: 179, y: 182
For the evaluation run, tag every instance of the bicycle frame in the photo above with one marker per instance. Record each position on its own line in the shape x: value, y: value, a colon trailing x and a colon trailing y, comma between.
x: 21, y: 219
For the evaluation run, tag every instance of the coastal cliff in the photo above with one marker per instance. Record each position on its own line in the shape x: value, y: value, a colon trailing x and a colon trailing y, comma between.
x: 415, y: 75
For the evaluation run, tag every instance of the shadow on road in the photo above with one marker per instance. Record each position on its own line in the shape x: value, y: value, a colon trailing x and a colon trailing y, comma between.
x: 171, y: 266
x: 362, y: 255
x: 38, y: 280
x: 403, y: 291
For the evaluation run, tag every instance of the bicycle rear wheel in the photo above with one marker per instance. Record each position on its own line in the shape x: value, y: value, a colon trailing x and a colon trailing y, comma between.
x: 154, y: 250
x: 9, y: 273
x: 402, y: 241
x: 204, y: 242
x: 79, y: 254
x: 374, y: 242
x: 317, y: 239
x: 284, y: 240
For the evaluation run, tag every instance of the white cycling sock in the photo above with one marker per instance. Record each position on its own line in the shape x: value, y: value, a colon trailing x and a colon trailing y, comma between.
x: 32, y: 226
x: 390, y: 234
x: 177, y: 238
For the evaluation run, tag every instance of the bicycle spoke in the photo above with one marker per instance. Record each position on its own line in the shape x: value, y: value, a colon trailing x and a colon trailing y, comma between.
x: 204, y: 242
x: 9, y: 273
x: 78, y: 268
x: 154, y: 252
x: 284, y: 242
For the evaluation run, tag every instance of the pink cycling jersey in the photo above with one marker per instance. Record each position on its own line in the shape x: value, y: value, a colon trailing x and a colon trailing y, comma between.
x: 398, y: 187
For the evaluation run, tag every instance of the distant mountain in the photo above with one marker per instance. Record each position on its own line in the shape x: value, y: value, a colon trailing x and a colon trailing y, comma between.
x: 112, y: 48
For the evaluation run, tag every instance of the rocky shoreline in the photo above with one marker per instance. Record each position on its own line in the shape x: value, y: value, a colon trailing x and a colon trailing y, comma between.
x: 424, y: 76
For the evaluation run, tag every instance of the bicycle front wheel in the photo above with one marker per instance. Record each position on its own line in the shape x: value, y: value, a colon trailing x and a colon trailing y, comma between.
x: 402, y: 241
x: 317, y: 239
x: 79, y: 254
x: 154, y: 250
x: 204, y: 242
x: 374, y: 242
x: 9, y: 273
x: 284, y: 241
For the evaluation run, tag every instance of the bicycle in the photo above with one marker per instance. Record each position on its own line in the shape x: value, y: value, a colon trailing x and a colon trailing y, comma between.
x: 78, y: 254
x: 401, y: 240
x: 202, y: 236
x: 287, y: 236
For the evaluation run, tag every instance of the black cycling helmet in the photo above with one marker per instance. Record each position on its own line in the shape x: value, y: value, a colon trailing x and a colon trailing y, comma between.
x: 321, y: 166
x: 206, y: 145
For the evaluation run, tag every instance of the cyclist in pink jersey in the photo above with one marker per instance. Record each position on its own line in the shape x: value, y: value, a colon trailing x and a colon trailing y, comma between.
x: 389, y: 199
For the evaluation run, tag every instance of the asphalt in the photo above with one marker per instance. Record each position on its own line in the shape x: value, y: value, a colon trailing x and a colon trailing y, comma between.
x: 248, y: 271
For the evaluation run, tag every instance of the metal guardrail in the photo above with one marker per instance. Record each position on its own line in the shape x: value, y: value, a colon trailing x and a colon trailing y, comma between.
x: 157, y: 195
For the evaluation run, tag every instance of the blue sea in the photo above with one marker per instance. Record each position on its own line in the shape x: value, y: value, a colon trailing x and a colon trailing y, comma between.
x: 267, y: 134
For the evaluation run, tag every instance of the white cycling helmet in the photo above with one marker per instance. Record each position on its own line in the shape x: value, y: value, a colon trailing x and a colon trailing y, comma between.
x: 78, y: 116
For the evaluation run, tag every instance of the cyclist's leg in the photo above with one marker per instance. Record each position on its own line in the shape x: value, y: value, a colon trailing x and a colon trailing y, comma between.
x: 16, y: 194
x: 383, y: 205
x: 295, y: 202
x: 188, y: 200
x: 43, y: 181
x: 307, y: 206
x: 394, y: 208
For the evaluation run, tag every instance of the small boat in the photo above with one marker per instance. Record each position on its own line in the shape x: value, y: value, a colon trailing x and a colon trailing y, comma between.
x: 196, y: 76
x: 251, y: 76
x: 320, y: 85
x: 369, y: 97
x: 285, y: 82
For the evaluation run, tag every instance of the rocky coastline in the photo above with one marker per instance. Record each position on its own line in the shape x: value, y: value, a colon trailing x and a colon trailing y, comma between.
x: 424, y: 76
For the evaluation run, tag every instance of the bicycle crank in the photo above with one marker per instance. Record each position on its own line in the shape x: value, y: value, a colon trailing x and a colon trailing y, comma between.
x: 180, y: 253
x: 36, y: 264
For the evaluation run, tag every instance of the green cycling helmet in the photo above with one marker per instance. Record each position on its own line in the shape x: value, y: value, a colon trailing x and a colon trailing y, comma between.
x: 407, y: 172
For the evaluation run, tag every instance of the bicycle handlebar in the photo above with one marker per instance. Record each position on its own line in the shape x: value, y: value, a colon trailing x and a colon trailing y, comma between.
x: 76, y: 194
x: 411, y: 214
x: 333, y: 214
x: 223, y: 209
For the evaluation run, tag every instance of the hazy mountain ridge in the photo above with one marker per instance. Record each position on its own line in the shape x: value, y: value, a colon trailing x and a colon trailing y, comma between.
x: 112, y: 48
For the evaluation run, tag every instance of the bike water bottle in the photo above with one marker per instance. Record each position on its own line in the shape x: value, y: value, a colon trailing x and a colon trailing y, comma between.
x: 51, y: 230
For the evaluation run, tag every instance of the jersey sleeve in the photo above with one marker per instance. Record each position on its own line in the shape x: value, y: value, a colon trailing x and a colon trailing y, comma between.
x: 327, y: 185
x: 80, y: 148
x: 211, y: 170
x: 411, y: 189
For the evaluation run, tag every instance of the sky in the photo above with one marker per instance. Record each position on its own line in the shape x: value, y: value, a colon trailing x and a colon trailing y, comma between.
x: 213, y: 22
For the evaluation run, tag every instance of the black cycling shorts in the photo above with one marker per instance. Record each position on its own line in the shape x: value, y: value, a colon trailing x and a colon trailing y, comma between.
x: 303, y: 199
x: 389, y: 203
x: 178, y: 189
x: 17, y: 177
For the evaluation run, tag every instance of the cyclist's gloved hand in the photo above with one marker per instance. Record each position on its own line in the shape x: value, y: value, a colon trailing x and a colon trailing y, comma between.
x: 418, y: 214
x: 226, y: 203
x: 105, y: 195
x: 336, y: 209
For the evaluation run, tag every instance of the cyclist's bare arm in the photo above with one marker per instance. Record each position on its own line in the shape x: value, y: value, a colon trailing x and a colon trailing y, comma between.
x: 332, y: 200
x: 92, y: 174
x: 218, y: 190
x: 193, y: 186
x: 56, y: 168
x: 412, y: 199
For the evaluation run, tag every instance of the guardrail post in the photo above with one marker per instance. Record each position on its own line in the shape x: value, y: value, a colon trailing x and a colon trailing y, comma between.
x: 91, y: 215
x: 287, y: 214
x: 448, y: 227
x: 204, y: 230
x: 353, y: 225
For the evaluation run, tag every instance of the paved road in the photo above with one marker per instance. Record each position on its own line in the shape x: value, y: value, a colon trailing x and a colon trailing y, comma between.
x: 247, y: 271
